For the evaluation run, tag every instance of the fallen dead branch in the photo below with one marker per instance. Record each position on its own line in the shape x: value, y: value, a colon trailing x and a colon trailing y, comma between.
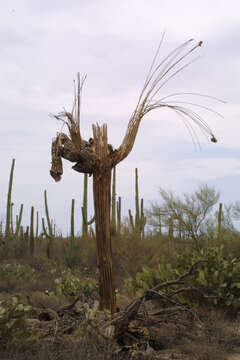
x: 137, y: 310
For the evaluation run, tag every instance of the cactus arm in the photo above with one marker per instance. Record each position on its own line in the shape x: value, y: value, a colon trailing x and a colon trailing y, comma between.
x: 72, y: 219
x: 119, y: 202
x: 11, y: 218
x: 219, y: 222
x: 137, y: 217
x: 37, y: 225
x: 47, y: 214
x: 131, y: 220
x: 32, y: 231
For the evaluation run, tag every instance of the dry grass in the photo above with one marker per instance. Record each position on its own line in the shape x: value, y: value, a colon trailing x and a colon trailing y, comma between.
x: 218, y: 337
x: 203, y: 351
x: 67, y: 348
x: 39, y: 299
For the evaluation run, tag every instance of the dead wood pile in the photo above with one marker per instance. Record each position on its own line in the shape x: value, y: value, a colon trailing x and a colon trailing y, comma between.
x: 154, y: 320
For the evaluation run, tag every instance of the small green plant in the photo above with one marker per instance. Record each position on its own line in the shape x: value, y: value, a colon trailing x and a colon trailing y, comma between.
x: 17, y: 271
x: 93, y: 317
x: 70, y: 284
x: 12, y: 324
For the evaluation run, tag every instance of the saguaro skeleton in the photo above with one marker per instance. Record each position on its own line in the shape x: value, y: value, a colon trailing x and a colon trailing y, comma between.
x: 97, y: 157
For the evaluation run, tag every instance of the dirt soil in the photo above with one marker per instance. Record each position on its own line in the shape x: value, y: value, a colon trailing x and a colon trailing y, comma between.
x: 166, y: 333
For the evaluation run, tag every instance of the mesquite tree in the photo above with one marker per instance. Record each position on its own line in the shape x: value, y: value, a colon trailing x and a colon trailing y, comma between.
x: 97, y: 157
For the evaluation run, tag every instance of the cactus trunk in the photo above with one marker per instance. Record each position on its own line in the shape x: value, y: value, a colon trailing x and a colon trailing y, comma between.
x: 170, y: 235
x: 219, y: 223
x: 113, y: 203
x: 102, y: 199
x: 140, y: 218
x: 72, y: 223
x: 37, y: 225
x: 32, y: 247
x: 9, y: 202
x: 49, y: 235
x: 119, y: 220
x: 85, y: 221
x: 137, y: 217
x: 47, y: 214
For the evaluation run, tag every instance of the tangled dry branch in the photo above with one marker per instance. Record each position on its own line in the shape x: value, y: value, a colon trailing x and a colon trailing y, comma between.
x: 74, y: 148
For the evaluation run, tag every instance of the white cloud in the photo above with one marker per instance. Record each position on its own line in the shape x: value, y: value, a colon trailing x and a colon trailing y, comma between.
x: 207, y: 169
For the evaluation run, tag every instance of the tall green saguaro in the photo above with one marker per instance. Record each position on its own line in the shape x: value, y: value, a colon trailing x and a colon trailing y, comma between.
x: 119, y: 215
x: 137, y: 216
x: 49, y: 235
x: 140, y: 218
x: 32, y: 244
x: 50, y: 231
x: 37, y: 225
x: 9, y: 202
x: 11, y: 218
x: 85, y: 221
x: 170, y: 234
x: 72, y: 222
x: 219, y: 224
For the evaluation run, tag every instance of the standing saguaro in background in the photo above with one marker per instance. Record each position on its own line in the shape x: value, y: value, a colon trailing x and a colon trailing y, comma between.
x: 9, y: 202
x: 97, y: 157
x: 85, y: 221
x: 140, y: 219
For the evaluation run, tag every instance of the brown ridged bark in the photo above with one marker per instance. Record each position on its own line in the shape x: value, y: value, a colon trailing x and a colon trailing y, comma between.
x: 102, y: 198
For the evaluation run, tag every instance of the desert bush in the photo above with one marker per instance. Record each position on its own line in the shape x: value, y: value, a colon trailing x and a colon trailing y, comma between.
x: 215, y: 281
x: 17, y: 271
x: 187, y: 216
x: 12, y: 324
x: 70, y: 284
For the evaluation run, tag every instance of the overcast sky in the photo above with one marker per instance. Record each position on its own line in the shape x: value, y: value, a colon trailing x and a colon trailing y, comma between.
x: 43, y: 44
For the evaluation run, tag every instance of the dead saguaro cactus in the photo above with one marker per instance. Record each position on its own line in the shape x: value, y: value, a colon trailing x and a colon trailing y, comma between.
x: 97, y: 157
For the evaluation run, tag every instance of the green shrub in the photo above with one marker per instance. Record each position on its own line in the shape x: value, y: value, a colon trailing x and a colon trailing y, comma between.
x: 12, y: 324
x: 70, y: 284
x: 216, y: 277
x: 17, y: 271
